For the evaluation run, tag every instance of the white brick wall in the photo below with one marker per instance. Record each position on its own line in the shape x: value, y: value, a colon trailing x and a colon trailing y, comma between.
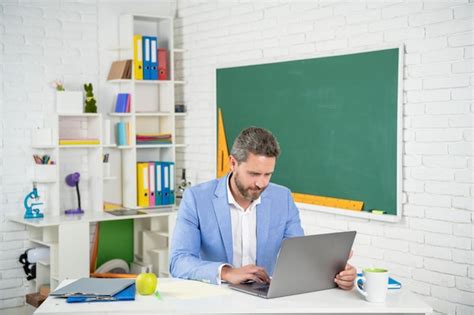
x: 431, y: 249
x: 42, y: 41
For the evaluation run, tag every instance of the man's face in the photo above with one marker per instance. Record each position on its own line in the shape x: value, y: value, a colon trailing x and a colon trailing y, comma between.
x: 252, y: 176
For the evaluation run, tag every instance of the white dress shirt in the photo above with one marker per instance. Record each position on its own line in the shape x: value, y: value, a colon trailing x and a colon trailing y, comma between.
x: 244, y: 232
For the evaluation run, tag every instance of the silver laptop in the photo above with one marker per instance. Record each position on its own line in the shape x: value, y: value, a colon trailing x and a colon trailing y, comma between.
x: 305, y: 264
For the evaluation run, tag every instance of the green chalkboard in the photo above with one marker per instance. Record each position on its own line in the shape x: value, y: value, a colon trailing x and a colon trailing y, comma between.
x: 334, y: 117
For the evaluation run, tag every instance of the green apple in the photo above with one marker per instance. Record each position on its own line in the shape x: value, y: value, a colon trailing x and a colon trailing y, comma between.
x: 146, y: 283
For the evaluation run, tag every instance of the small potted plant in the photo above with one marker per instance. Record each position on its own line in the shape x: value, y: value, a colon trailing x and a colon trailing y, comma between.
x: 90, y: 99
x: 67, y: 102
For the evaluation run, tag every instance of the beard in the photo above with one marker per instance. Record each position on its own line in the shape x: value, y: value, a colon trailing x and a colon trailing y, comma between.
x: 248, y: 193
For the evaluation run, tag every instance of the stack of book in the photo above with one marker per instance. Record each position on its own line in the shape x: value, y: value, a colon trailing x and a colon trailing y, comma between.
x: 120, y: 69
x: 122, y: 105
x: 65, y: 141
x: 158, y: 138
x: 123, y: 134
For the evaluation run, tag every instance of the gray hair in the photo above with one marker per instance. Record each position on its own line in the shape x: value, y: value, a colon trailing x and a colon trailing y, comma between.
x: 256, y: 140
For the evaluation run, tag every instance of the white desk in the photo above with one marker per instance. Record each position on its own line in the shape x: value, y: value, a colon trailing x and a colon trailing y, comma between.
x: 334, y: 301
x: 69, y: 243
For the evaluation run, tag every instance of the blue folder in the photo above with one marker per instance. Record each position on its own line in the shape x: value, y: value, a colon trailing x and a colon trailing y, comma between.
x: 153, y: 74
x: 127, y: 294
x: 158, y: 184
x: 146, y: 57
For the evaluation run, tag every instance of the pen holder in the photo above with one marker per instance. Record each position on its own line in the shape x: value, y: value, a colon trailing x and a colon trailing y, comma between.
x: 106, y: 169
x: 45, y: 173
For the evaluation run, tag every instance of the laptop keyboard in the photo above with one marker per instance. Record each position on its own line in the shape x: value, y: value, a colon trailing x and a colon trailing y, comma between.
x: 262, y: 288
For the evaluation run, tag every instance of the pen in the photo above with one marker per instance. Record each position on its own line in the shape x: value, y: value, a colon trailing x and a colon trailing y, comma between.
x: 38, y: 160
x: 158, y: 296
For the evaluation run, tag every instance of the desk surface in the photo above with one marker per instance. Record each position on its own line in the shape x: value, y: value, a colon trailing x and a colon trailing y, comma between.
x: 89, y: 216
x: 224, y: 300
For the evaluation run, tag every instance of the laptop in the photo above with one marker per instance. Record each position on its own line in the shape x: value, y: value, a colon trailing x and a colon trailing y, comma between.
x: 305, y: 264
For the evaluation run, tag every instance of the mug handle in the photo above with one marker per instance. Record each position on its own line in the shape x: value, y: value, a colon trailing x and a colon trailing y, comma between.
x: 360, y: 283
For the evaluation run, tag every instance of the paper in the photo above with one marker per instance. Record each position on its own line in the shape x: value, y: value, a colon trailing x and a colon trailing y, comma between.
x: 186, y: 289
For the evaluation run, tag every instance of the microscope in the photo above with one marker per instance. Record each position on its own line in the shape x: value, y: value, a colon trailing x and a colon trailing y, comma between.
x: 31, y: 210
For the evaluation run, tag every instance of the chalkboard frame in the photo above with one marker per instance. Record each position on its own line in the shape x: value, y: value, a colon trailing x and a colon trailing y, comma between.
x: 399, y: 141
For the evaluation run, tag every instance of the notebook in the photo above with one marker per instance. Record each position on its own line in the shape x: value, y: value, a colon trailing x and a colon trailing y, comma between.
x: 93, y: 287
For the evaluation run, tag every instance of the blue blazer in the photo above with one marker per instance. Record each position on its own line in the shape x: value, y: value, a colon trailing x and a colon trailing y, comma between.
x: 202, y: 238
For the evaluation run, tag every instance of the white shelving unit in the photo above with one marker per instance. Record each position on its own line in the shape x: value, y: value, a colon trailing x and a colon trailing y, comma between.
x: 152, y: 111
x: 50, y: 178
x: 68, y: 236
x: 153, y: 101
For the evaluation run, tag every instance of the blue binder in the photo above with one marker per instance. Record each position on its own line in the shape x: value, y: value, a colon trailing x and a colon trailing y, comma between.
x: 172, y: 177
x: 153, y: 75
x: 146, y: 57
x: 165, y: 169
x: 158, y: 184
x: 127, y: 294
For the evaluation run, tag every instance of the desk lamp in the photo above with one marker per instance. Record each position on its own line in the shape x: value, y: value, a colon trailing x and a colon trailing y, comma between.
x: 72, y: 180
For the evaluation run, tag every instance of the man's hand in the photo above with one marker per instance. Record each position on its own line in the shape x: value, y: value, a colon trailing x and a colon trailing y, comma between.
x: 345, y: 279
x: 245, y: 273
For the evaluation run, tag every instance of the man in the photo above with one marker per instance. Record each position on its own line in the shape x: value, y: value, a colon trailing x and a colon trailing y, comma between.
x: 231, y: 229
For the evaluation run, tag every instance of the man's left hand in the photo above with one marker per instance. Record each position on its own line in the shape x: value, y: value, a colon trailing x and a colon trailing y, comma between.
x: 345, y: 279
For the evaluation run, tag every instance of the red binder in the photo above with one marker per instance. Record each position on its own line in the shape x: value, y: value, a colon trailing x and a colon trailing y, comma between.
x: 162, y: 64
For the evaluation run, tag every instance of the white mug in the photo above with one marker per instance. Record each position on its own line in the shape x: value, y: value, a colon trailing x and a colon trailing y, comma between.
x: 374, y: 284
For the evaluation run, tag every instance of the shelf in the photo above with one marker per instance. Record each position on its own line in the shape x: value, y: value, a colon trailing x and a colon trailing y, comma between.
x: 109, y: 146
x: 181, y: 114
x: 120, y: 81
x: 153, y: 81
x: 178, y: 50
x: 181, y: 145
x: 40, y: 242
x: 349, y: 213
x: 120, y: 114
x: 109, y: 178
x: 44, y: 181
x: 124, y: 147
x: 82, y: 146
x: 157, y: 250
x: 44, y: 263
x: 145, y: 81
x: 179, y: 82
x: 154, y: 114
x: 152, y: 146
x: 79, y: 115
x: 48, y: 146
